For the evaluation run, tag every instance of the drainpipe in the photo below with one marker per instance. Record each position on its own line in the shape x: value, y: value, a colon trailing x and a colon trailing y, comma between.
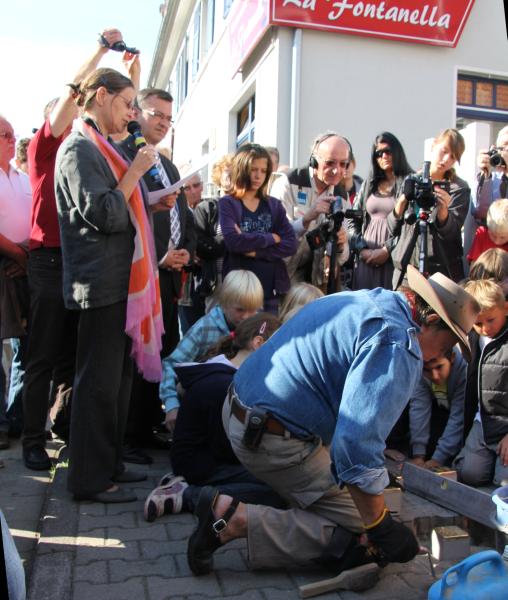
x: 294, y: 124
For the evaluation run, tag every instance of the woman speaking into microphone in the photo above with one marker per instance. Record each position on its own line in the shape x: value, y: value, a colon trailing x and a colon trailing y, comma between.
x: 110, y: 277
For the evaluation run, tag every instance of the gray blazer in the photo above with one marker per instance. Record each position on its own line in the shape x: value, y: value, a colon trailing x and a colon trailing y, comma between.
x: 96, y: 233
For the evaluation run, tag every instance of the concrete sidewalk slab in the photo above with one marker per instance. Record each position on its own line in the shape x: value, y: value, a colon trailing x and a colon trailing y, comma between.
x: 95, y: 551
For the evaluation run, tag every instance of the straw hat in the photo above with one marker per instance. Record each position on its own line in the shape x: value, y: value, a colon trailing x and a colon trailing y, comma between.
x: 454, y: 305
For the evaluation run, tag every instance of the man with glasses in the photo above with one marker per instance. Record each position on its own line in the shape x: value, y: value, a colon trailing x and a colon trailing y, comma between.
x: 175, y: 242
x: 492, y: 179
x: 15, y: 201
x: 308, y: 194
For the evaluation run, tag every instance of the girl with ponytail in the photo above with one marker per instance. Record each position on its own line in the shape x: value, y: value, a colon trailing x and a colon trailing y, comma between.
x: 201, y: 453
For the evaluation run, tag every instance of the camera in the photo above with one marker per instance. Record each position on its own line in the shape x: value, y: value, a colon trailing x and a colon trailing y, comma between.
x: 327, y: 230
x: 419, y: 189
x: 495, y: 158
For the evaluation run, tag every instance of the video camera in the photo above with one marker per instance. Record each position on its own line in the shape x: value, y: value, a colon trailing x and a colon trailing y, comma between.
x: 119, y: 46
x: 327, y: 230
x: 419, y: 192
x: 495, y: 158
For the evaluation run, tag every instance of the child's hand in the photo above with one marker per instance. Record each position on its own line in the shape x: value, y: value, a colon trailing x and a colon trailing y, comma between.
x: 432, y: 464
x: 502, y: 450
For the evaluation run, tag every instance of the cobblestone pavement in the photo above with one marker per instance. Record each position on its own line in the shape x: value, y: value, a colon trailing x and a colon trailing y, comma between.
x: 89, y: 551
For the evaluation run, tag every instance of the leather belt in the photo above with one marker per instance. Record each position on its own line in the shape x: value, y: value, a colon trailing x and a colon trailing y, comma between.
x: 272, y: 425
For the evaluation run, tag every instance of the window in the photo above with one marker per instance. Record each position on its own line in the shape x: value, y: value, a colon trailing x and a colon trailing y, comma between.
x: 181, y: 76
x: 482, y: 97
x: 210, y: 23
x: 196, y: 40
x: 227, y: 7
x: 246, y: 122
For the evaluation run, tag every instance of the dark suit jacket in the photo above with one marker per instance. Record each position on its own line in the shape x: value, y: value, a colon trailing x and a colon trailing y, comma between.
x: 170, y: 280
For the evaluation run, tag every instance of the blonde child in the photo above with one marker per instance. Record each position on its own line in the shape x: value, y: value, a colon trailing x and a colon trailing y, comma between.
x: 484, y: 458
x: 299, y: 295
x: 495, y: 234
x: 240, y: 297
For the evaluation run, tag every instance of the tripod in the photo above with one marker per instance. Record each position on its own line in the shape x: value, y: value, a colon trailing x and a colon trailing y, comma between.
x: 422, y: 224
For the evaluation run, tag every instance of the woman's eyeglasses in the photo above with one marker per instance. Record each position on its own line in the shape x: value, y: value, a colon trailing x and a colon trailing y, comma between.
x: 379, y: 153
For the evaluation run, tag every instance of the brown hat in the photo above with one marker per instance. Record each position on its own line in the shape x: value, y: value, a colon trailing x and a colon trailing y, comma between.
x: 454, y: 305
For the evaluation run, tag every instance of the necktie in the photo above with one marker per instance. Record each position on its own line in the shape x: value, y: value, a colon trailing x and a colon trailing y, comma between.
x: 175, y: 227
x: 162, y: 172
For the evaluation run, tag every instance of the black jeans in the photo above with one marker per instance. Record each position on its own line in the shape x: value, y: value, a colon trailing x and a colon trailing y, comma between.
x: 51, y: 348
x: 100, y: 401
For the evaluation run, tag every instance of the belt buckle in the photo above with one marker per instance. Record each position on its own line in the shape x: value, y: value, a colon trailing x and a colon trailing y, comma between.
x: 219, y: 526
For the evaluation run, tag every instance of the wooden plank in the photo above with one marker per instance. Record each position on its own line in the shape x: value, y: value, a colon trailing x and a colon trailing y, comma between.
x: 355, y: 580
x: 463, y: 499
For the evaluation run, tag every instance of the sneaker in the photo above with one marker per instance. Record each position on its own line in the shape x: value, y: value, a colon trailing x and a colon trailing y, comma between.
x: 167, y: 478
x: 165, y: 500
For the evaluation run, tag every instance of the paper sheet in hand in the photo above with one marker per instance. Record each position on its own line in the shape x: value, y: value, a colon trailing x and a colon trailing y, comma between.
x: 154, y: 197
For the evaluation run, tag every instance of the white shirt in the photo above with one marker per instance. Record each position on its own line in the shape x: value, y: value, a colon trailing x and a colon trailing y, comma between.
x: 15, y: 205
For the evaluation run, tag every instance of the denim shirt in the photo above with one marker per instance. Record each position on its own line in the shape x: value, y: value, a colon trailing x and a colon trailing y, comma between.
x: 342, y: 369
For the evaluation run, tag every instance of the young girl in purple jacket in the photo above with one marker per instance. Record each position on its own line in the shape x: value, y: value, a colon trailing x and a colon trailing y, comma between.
x: 257, y: 233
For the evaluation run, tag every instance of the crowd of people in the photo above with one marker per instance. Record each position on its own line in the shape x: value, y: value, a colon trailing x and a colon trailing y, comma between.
x: 261, y: 332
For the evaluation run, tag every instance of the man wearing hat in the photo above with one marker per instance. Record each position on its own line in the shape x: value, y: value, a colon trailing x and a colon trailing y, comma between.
x: 309, y: 413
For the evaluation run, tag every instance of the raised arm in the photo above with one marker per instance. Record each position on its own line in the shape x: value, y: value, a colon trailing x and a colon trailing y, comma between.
x: 65, y: 110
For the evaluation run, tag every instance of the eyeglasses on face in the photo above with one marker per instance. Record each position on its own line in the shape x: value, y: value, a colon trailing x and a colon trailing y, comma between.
x: 8, y: 136
x: 157, y: 114
x: 130, y: 104
x: 379, y: 153
x: 194, y: 186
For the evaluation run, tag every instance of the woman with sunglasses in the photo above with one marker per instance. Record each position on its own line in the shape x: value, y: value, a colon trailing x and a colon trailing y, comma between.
x: 370, y: 238
x: 109, y: 276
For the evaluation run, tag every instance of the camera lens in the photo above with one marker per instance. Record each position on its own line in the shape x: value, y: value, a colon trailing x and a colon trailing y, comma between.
x: 496, y: 160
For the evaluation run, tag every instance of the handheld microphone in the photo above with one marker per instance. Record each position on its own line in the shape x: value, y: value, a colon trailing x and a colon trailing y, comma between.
x: 134, y: 128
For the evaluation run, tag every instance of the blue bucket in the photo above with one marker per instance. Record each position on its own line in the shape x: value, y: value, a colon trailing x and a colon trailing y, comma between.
x: 481, y: 576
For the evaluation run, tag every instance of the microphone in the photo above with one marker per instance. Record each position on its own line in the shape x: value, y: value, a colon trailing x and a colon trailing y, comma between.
x: 134, y: 128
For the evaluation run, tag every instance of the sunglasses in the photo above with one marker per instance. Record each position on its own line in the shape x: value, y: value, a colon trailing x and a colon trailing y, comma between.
x: 379, y: 153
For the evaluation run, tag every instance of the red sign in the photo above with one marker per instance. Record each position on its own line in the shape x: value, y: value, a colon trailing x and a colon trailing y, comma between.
x: 435, y: 22
x: 248, y: 20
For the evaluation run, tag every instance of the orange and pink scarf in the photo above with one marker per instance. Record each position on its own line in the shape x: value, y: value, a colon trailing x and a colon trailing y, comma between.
x: 144, y: 316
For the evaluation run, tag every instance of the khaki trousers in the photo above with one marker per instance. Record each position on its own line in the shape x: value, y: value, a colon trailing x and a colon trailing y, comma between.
x: 298, y: 470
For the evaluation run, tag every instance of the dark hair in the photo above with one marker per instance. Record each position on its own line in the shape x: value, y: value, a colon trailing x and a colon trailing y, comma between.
x: 420, y: 310
x: 401, y: 167
x: 112, y: 80
x: 241, y: 168
x: 263, y: 324
x: 159, y: 93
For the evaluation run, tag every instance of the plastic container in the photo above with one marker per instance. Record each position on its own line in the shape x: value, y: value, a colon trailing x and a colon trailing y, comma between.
x: 500, y: 499
x: 482, y: 576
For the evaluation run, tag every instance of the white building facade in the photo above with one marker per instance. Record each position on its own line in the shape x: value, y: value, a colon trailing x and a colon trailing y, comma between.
x: 279, y: 72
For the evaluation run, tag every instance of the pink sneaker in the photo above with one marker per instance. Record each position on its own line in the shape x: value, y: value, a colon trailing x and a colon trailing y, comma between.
x: 165, y: 500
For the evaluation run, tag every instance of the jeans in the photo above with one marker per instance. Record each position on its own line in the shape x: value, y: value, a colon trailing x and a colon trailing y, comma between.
x: 52, y: 346
x: 478, y: 463
x: 235, y: 481
x: 11, y: 406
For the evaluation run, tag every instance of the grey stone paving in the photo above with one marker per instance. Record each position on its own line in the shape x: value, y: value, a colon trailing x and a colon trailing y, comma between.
x: 93, y: 551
